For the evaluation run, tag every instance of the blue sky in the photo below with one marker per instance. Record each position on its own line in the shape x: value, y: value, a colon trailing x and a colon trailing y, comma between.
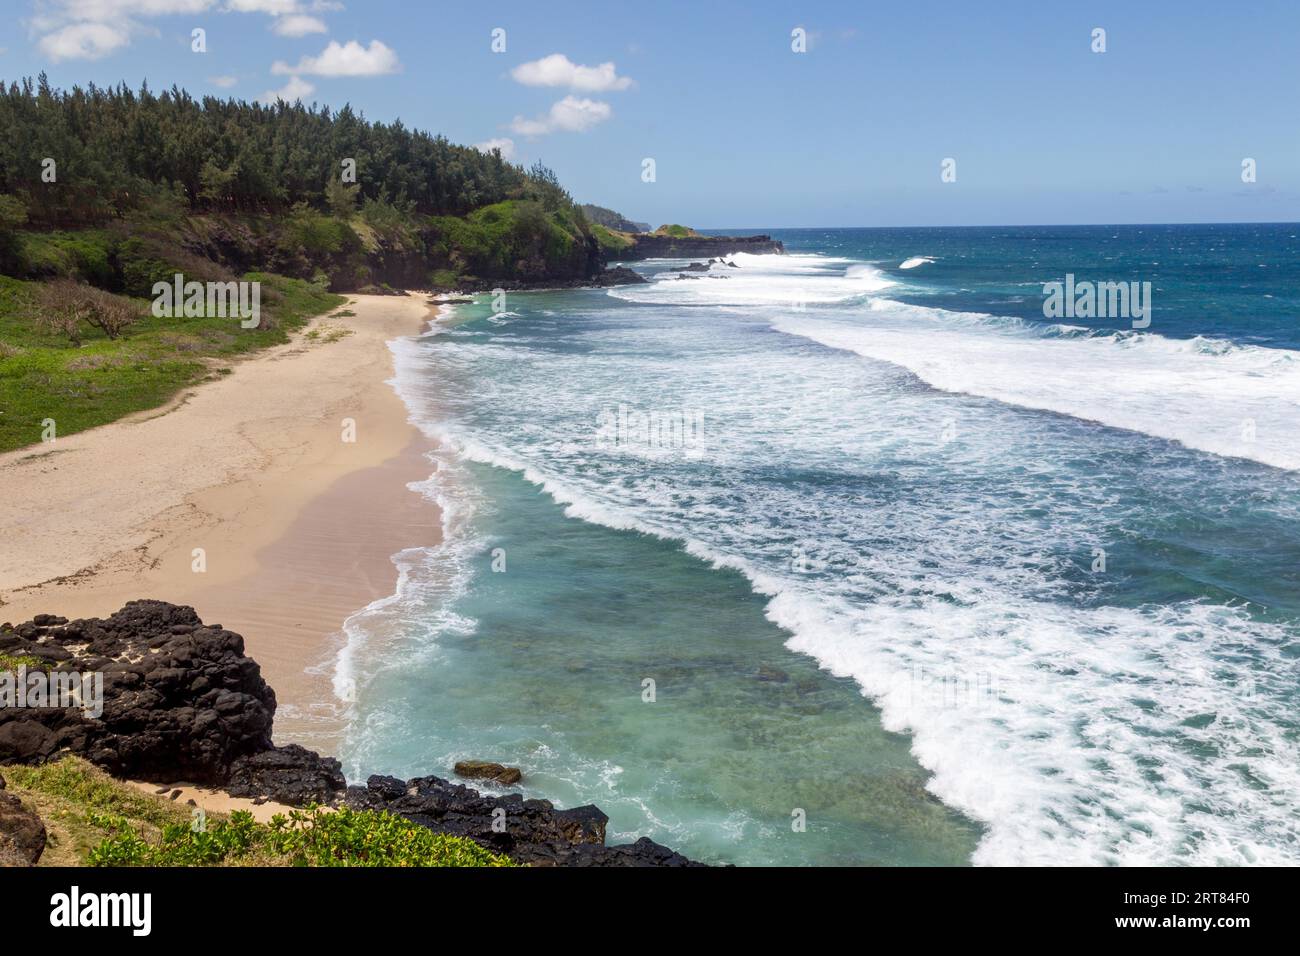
x: 746, y: 132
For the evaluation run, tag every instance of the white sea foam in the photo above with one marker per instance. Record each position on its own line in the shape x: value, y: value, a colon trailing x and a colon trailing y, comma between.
x: 1097, y: 734
x: 915, y: 261
x: 790, y: 280
x: 428, y: 577
x: 1237, y: 401
x: 1232, y: 400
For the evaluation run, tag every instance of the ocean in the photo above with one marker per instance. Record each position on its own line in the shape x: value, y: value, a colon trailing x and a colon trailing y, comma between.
x: 853, y: 556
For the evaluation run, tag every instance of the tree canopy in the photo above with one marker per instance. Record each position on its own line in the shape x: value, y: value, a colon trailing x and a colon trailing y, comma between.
x: 114, y: 149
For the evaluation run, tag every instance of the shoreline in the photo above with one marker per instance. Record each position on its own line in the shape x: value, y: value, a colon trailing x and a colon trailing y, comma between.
x: 252, y: 507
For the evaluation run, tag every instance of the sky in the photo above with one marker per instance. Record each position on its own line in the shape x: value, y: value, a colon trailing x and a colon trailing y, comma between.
x: 765, y: 114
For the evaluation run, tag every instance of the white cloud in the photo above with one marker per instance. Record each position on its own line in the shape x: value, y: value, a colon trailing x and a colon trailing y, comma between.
x: 503, y: 143
x: 104, y: 11
x: 348, y: 59
x: 570, y: 114
x: 296, y: 89
x: 225, y: 82
x: 299, y: 25
x: 274, y: 7
x: 83, y: 41
x: 558, y: 70
x: 55, y: 16
x: 91, y: 29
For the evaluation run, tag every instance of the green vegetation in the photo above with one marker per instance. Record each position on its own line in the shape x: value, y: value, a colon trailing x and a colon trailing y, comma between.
x: 117, y: 150
x: 95, y: 820
x: 511, y: 239
x: 311, y: 837
x: 147, y: 186
x: 611, y: 241
x: 676, y: 231
x: 11, y: 662
x: 80, y: 805
x: 45, y: 375
x: 327, y: 334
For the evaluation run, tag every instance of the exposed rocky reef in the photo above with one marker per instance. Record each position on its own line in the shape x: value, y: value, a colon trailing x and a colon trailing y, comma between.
x: 661, y: 246
x: 616, y: 275
x: 182, y: 701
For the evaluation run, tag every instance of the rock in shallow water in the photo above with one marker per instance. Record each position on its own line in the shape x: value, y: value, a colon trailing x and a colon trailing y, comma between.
x: 483, y: 770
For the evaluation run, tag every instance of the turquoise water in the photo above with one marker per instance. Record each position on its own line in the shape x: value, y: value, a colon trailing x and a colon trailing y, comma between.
x: 551, y: 676
x: 955, y: 584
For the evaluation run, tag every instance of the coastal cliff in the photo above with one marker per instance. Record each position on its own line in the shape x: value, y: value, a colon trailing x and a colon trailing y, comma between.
x: 182, y: 701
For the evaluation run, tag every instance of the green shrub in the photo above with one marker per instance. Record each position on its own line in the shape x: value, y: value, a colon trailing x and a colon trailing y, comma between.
x: 13, y: 216
x: 85, y: 255
x: 317, y: 234
x: 612, y: 242
x: 311, y: 837
x: 11, y: 662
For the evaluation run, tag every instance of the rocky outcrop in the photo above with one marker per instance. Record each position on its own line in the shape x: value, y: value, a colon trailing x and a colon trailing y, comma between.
x: 618, y: 275
x: 659, y: 246
x: 22, y: 833
x: 612, y: 220
x: 181, y: 701
x: 291, y: 774
x: 530, y: 831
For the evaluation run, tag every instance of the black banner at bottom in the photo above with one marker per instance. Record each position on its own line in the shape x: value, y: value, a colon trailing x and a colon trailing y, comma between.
x: 150, y: 906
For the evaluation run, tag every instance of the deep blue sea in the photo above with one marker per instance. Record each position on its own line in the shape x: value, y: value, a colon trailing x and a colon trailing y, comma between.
x: 853, y: 556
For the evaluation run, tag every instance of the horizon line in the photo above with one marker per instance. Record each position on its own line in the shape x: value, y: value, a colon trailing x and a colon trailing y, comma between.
x: 1025, y: 225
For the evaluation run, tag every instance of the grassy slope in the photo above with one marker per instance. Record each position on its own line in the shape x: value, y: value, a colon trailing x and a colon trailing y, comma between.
x: 92, y: 819
x: 76, y: 800
x: 43, y: 375
x: 612, y: 241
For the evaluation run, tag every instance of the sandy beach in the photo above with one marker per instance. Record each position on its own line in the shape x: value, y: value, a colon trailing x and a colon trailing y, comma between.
x: 243, y: 498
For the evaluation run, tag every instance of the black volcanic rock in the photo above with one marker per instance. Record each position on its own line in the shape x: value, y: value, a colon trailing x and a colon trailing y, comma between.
x: 619, y: 275
x: 616, y: 275
x: 659, y: 246
x: 181, y: 701
x: 22, y: 833
x: 291, y: 774
x: 529, y: 831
